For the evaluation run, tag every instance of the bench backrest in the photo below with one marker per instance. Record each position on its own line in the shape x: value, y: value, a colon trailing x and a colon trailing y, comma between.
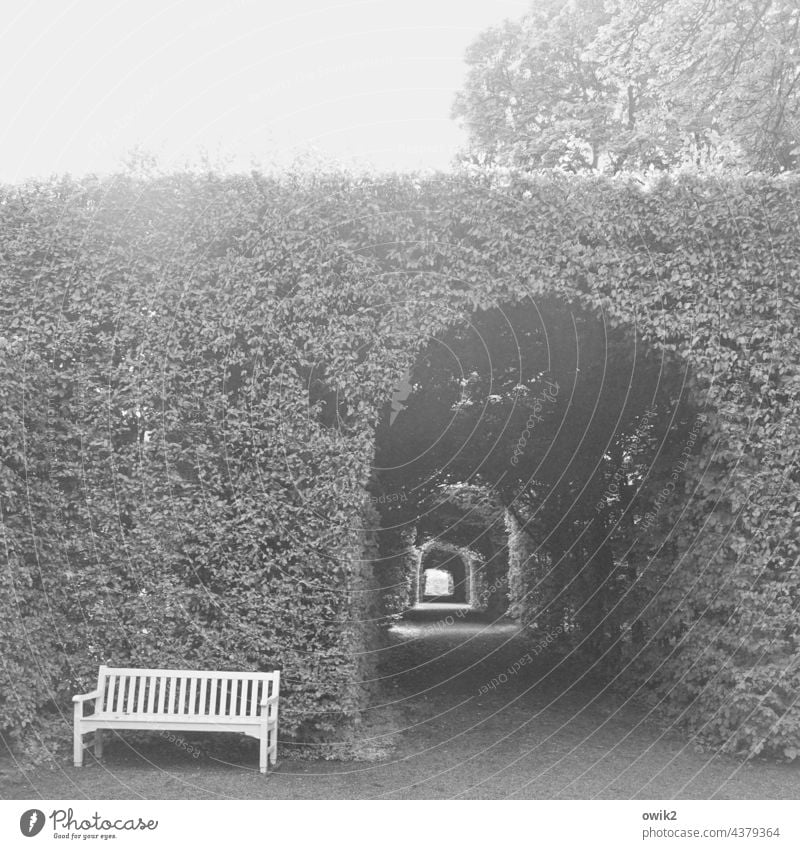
x: 183, y: 692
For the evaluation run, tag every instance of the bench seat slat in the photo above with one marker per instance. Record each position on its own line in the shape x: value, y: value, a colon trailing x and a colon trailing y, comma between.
x: 201, y: 724
x: 155, y: 719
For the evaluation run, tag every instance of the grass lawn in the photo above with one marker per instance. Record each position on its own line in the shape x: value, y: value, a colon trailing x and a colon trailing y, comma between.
x: 439, y: 734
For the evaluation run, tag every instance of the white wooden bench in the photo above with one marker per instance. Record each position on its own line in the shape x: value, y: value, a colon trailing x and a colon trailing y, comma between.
x: 181, y: 700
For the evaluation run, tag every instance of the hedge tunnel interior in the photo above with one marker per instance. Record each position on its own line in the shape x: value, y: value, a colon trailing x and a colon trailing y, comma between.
x: 530, y: 443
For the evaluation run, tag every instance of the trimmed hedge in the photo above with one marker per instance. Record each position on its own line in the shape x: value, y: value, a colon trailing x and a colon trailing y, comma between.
x: 191, y: 372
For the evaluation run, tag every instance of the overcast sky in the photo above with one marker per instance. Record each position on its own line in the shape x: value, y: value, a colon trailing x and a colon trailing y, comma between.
x: 248, y: 81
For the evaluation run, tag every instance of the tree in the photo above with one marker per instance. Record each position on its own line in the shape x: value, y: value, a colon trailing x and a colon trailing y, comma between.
x: 726, y: 73
x: 584, y: 85
x: 532, y: 99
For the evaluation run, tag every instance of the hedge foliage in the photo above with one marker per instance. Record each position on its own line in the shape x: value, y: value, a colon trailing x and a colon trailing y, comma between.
x: 191, y: 372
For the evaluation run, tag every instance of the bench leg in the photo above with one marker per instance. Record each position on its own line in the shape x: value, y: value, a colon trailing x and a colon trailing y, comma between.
x: 273, y: 746
x: 77, y: 746
x: 98, y: 743
x: 262, y: 754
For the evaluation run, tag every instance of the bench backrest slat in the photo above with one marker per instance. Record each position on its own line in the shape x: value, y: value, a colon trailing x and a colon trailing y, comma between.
x: 212, y: 699
x: 236, y: 689
x: 128, y: 691
x: 130, y: 694
x: 222, y: 706
x: 201, y: 707
x: 119, y: 696
x: 225, y: 696
x: 192, y: 708
x: 151, y: 693
x: 161, y: 693
x: 247, y: 700
x: 143, y: 681
x: 233, y: 703
x: 255, y: 696
x: 165, y: 698
x: 236, y: 696
x: 229, y: 708
x: 111, y: 693
x: 241, y: 704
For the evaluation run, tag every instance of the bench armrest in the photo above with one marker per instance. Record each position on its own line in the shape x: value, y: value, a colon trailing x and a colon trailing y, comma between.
x: 269, y: 708
x: 84, y: 697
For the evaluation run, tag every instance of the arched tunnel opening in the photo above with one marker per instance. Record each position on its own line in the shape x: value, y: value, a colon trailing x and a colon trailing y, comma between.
x: 444, y: 580
x: 519, y: 459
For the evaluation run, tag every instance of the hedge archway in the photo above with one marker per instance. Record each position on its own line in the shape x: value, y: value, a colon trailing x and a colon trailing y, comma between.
x: 462, y: 564
x: 538, y: 413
